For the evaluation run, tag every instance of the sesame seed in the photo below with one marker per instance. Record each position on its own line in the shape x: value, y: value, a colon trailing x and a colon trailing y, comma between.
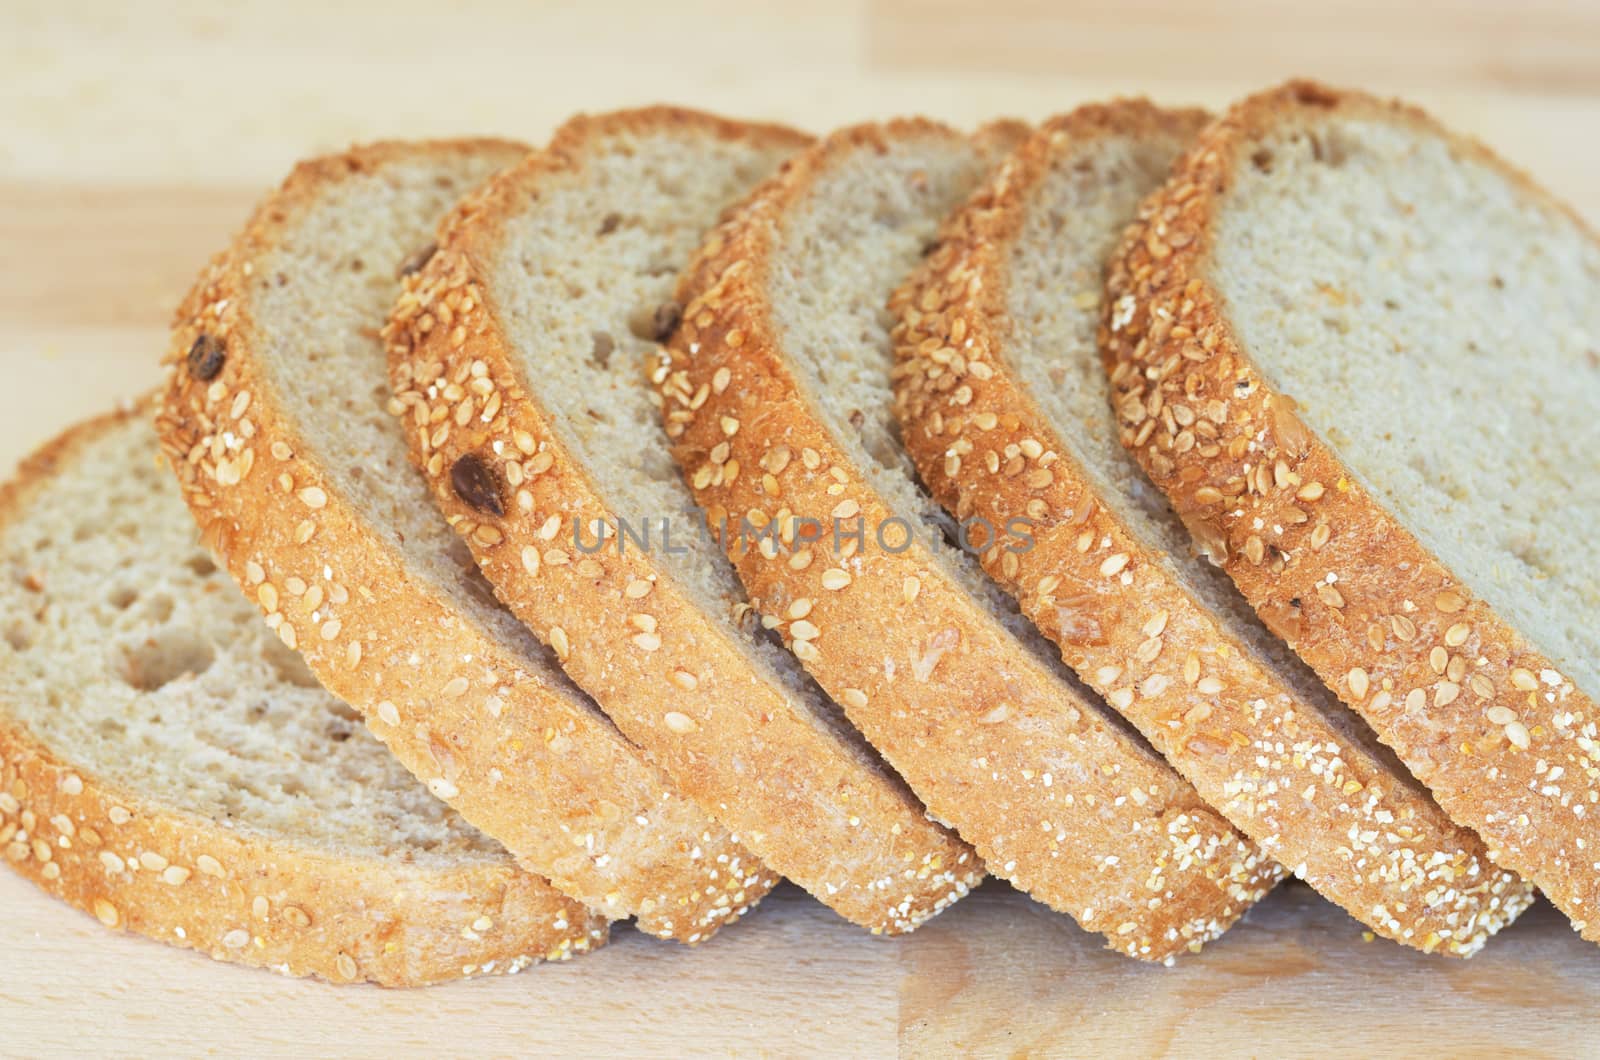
x: 346, y: 966
x: 175, y: 875
x: 106, y: 913
x: 443, y: 788
x: 72, y: 784
x: 637, y: 589
x: 803, y: 630
x: 1456, y: 635
x: 854, y: 697
x: 685, y: 680
x: 1523, y: 680
x: 152, y: 861
x: 1449, y: 602
x: 209, y: 866
x: 559, y: 642
x: 681, y: 724
x: 296, y: 916
x: 835, y: 578
x: 1156, y: 625
x: 1501, y: 715
x: 1517, y: 733
x: 1113, y: 564
x: 910, y: 588
x: 388, y: 714
x: 1358, y: 683
x: 313, y: 497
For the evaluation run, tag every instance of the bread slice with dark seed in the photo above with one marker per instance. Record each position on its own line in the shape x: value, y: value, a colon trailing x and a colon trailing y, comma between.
x: 522, y: 359
x: 778, y: 398
x: 167, y: 766
x: 275, y: 419
x: 999, y: 376
x: 1390, y: 335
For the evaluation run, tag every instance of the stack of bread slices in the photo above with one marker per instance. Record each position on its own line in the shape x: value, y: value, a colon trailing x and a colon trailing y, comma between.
x: 1141, y: 507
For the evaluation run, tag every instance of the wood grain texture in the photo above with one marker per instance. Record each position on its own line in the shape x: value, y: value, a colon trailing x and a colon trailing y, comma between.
x: 134, y: 137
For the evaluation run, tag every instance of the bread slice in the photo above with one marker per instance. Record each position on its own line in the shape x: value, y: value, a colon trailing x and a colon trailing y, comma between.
x: 522, y: 356
x: 168, y: 767
x: 1433, y: 315
x: 778, y: 398
x: 1014, y: 292
x: 275, y: 418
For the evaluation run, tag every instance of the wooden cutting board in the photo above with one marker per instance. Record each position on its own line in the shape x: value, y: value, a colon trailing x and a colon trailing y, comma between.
x: 133, y: 139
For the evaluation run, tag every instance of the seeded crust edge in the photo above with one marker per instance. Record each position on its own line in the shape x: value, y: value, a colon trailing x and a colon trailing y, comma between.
x: 957, y: 302
x: 727, y: 349
x: 555, y: 770
x: 853, y: 836
x: 1374, y: 637
x: 138, y: 864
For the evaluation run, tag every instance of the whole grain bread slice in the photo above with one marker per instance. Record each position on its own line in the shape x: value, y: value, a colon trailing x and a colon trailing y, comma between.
x: 999, y: 376
x: 521, y: 356
x: 168, y: 767
x: 276, y: 420
x: 1413, y: 520
x: 778, y: 399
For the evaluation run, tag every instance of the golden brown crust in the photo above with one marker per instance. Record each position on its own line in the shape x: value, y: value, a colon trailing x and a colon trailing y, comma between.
x: 1474, y: 710
x: 505, y: 741
x: 1056, y: 798
x: 1365, y: 837
x: 138, y: 864
x: 671, y: 677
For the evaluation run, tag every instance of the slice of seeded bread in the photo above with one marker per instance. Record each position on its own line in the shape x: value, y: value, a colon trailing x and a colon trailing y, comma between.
x: 778, y: 398
x: 999, y: 376
x: 1413, y: 520
x: 521, y: 357
x: 167, y: 766
x: 275, y: 418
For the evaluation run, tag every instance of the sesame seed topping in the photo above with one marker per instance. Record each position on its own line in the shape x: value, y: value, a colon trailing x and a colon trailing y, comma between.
x: 835, y: 578
x: 679, y: 723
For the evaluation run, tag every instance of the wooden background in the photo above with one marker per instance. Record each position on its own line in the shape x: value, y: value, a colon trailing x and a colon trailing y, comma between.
x: 133, y: 137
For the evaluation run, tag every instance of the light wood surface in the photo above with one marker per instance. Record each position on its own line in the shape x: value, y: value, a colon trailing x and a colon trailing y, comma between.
x: 133, y: 137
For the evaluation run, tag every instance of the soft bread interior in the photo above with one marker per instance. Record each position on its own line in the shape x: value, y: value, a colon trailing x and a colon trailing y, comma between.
x: 584, y: 287
x: 131, y: 656
x: 1439, y: 325
x: 319, y: 296
x: 1074, y: 217
x: 858, y: 233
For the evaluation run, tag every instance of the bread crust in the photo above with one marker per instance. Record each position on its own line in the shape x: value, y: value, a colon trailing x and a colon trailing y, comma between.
x: 1368, y: 838
x: 673, y: 679
x: 1401, y: 639
x: 137, y: 863
x: 980, y: 727
x: 500, y: 736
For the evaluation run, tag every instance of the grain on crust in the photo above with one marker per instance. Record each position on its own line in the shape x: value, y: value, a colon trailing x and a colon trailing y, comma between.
x: 502, y: 406
x: 1503, y: 739
x: 1259, y: 737
x: 144, y: 829
x: 275, y: 419
x: 1053, y: 792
